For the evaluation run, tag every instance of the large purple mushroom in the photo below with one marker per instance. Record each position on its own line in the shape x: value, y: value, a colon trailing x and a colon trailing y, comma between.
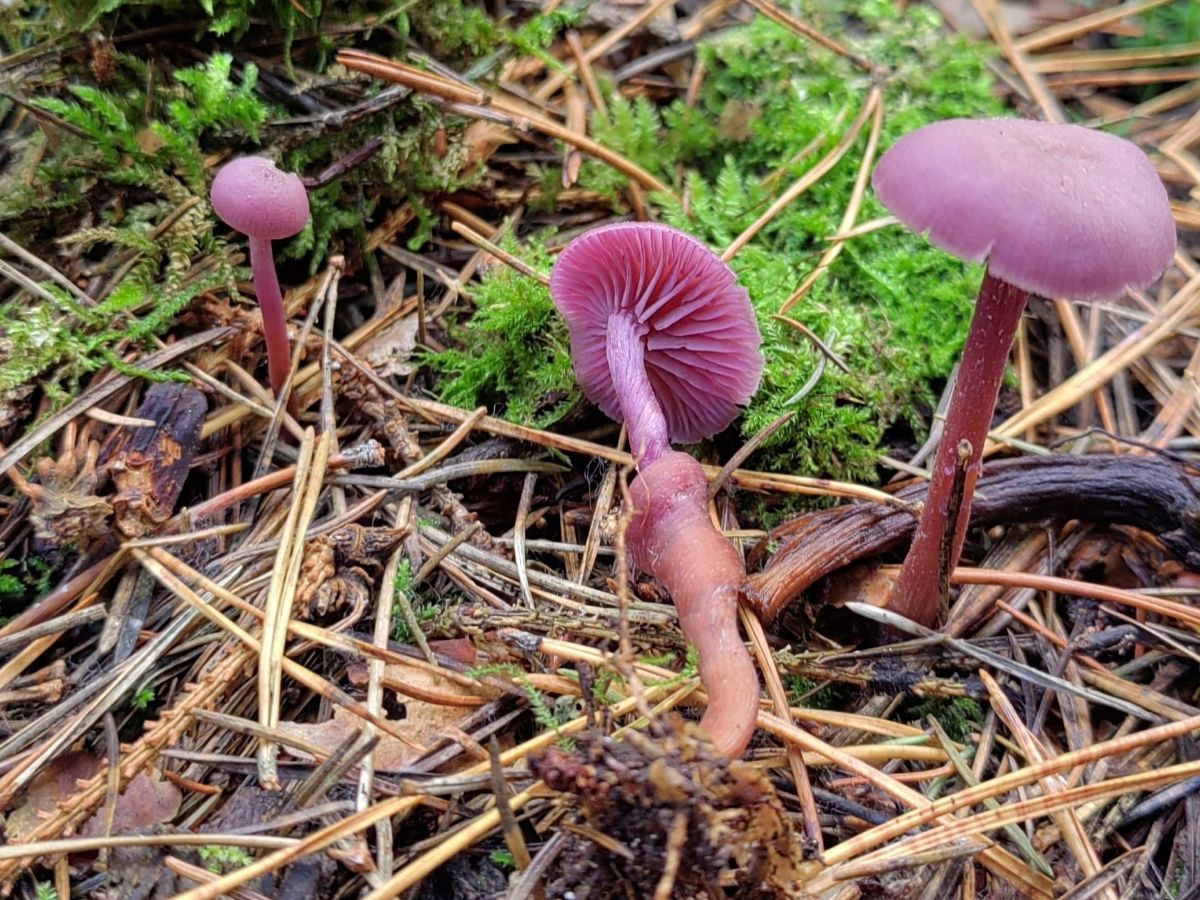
x: 254, y: 197
x: 1056, y: 210
x: 664, y: 339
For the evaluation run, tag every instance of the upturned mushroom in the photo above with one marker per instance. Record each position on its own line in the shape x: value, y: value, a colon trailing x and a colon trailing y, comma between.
x: 254, y: 197
x: 1056, y: 210
x: 664, y: 339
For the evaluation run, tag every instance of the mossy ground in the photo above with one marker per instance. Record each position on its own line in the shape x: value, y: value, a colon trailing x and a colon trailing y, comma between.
x: 896, y: 308
x: 117, y: 170
x: 130, y: 145
x: 114, y: 130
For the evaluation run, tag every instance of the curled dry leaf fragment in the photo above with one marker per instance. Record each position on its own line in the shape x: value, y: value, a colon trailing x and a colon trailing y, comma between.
x: 147, y: 800
x: 389, y: 352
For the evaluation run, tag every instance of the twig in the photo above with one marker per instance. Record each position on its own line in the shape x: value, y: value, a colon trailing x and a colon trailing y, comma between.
x: 519, y: 537
x: 499, y: 252
x: 857, y: 195
x: 773, y: 12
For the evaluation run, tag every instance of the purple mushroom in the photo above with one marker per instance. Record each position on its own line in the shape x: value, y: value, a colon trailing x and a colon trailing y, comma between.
x: 263, y: 203
x: 664, y: 339
x: 1057, y: 210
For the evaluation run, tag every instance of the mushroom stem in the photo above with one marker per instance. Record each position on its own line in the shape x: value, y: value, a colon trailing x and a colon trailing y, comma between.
x: 672, y: 538
x: 643, y: 415
x: 270, y: 301
x: 997, y: 315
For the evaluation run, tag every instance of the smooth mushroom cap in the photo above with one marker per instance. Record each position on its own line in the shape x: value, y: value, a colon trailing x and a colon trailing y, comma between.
x: 253, y: 197
x: 1057, y: 210
x: 701, y: 338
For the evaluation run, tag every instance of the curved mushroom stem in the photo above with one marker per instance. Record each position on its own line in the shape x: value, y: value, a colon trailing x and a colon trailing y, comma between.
x: 270, y: 301
x: 640, y: 408
x: 672, y: 538
x: 997, y: 315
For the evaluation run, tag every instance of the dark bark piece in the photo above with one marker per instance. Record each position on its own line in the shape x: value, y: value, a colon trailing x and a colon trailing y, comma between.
x: 1151, y: 493
x: 465, y: 877
x: 140, y: 873
x: 308, y: 878
x: 150, y: 465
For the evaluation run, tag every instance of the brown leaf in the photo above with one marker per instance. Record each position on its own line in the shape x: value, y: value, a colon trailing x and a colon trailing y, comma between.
x: 388, y: 352
x: 147, y: 800
x: 390, y: 754
x: 422, y: 719
x: 484, y: 138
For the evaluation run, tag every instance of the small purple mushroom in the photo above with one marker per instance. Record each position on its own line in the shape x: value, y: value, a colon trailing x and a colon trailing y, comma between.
x: 664, y: 339
x: 1057, y: 210
x: 254, y: 197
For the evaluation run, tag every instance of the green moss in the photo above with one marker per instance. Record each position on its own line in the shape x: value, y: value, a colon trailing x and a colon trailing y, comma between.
x: 958, y: 717
x: 1166, y: 26
x: 805, y: 692
x: 456, y: 31
x: 130, y: 164
x: 898, y: 307
x: 423, y: 611
x: 514, y: 352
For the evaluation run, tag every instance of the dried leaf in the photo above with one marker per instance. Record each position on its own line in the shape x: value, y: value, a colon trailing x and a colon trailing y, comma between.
x: 147, y: 801
x: 484, y: 138
x: 422, y: 720
x: 389, y: 351
x: 390, y: 754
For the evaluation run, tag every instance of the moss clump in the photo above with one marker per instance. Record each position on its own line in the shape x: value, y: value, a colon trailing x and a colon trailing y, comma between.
x: 958, y: 716
x: 898, y: 307
x: 514, y: 352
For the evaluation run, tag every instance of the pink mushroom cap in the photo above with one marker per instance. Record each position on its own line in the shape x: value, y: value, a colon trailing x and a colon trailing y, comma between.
x: 254, y: 197
x: 1057, y: 210
x: 700, y: 336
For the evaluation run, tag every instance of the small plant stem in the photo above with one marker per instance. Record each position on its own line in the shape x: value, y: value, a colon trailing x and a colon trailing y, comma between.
x: 643, y: 416
x: 997, y: 314
x: 270, y: 301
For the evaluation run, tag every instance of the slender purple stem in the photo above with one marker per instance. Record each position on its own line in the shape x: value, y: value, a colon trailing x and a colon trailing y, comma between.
x: 270, y: 301
x: 643, y: 415
x: 997, y: 315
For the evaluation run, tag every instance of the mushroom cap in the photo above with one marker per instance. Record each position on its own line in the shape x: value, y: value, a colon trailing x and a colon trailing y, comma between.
x: 253, y: 197
x: 699, y: 333
x: 1058, y: 210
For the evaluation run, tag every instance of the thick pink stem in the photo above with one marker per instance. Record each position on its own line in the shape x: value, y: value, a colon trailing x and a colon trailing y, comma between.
x: 672, y: 538
x: 997, y: 315
x: 270, y: 302
x: 644, y: 420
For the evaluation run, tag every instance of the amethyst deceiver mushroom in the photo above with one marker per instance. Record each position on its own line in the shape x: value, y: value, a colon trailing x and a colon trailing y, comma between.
x: 664, y: 339
x: 1056, y: 210
x: 254, y: 197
